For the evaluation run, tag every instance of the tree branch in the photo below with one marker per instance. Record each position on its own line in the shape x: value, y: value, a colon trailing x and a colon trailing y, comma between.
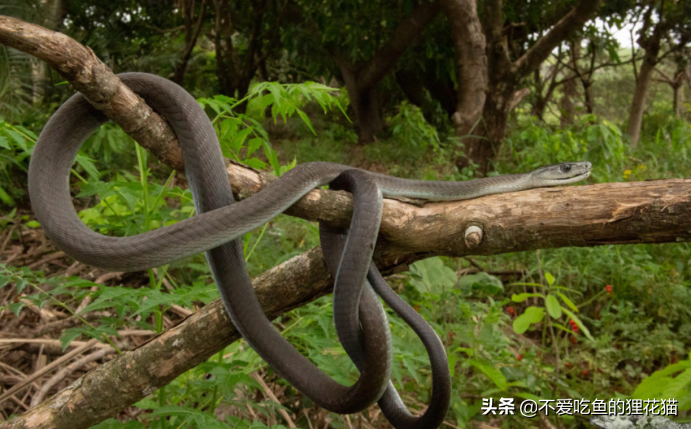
x: 617, y: 213
x: 191, y: 36
x: 539, y: 52
x: 498, y: 49
x: 88, y: 75
x: 471, y: 62
x: 388, y: 55
x: 646, y: 212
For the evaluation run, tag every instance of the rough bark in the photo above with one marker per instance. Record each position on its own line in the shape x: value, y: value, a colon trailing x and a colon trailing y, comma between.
x: 365, y: 103
x: 642, y: 212
x: 192, y: 31
x: 471, y: 66
x: 566, y: 106
x: 362, y: 79
x: 541, y: 96
x: 504, y: 75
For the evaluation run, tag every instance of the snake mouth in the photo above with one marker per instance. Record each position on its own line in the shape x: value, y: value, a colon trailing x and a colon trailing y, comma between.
x: 581, y: 176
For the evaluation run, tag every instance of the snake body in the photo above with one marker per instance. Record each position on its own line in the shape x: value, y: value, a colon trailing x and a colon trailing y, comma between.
x: 220, y: 222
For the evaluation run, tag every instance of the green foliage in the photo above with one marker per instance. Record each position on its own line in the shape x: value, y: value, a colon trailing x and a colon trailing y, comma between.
x: 431, y: 276
x: 506, y: 332
x: 599, y: 142
x: 284, y: 100
x: 411, y: 129
x: 674, y: 381
x: 16, y: 144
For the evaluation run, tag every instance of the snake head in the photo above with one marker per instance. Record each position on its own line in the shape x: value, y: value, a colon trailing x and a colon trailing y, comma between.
x: 561, y: 174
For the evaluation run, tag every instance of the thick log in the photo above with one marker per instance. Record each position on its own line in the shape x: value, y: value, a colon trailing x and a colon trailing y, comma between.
x: 655, y: 211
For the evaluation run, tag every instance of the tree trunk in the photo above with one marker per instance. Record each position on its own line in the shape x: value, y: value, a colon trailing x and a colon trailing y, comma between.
x: 645, y: 75
x: 495, y: 118
x: 471, y: 71
x: 365, y: 104
x: 504, y: 75
x: 588, y: 95
x: 678, y: 92
x: 540, y: 103
x: 568, y: 113
x: 192, y: 31
x: 362, y: 79
x: 677, y: 104
x: 51, y: 16
x: 235, y: 73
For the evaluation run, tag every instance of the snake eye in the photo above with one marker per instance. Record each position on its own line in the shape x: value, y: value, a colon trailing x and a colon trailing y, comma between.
x: 566, y: 168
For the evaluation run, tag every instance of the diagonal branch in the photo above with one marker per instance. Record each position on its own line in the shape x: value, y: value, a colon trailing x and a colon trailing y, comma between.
x: 88, y: 75
x: 539, y: 52
x: 646, y: 212
x: 641, y: 212
x: 388, y: 55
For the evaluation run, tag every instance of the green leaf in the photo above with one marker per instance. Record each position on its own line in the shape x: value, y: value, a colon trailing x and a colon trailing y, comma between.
x: 568, y: 302
x: 431, y: 275
x: 653, y: 386
x: 530, y: 315
x: 482, y: 281
x: 678, y: 385
x: 117, y: 424
x: 32, y: 224
x: 68, y: 336
x: 550, y: 279
x: 4, y: 144
x: 18, y: 138
x: 306, y: 120
x: 453, y: 358
x: 580, y: 324
x: 87, y: 164
x: 5, y: 197
x: 553, y: 307
x: 492, y: 372
x: 190, y: 415
x: 523, y: 296
x: 16, y: 307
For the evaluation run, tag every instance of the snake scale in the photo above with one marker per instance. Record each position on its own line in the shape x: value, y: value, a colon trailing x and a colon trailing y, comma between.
x: 361, y: 322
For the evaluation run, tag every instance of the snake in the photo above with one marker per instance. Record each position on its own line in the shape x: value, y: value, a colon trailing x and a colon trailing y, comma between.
x: 220, y: 222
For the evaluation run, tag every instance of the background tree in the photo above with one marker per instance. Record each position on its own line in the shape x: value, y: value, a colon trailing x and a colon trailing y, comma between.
x: 660, y: 20
x: 548, y: 303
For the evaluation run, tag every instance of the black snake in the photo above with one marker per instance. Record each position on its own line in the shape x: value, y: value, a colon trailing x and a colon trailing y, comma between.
x: 361, y: 322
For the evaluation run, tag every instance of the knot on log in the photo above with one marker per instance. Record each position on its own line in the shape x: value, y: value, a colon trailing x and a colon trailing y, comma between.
x: 473, y: 236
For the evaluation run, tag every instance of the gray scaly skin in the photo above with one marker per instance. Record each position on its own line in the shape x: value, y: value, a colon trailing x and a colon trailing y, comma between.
x: 219, y: 223
x: 367, y: 201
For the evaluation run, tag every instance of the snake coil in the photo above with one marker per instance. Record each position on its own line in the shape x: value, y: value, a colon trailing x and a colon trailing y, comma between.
x: 219, y: 223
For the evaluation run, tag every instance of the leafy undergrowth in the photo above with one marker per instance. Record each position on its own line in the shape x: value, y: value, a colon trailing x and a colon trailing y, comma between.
x: 560, y: 323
